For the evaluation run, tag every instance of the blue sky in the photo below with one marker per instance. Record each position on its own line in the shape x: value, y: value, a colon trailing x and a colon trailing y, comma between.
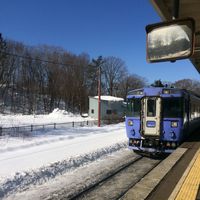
x: 97, y: 27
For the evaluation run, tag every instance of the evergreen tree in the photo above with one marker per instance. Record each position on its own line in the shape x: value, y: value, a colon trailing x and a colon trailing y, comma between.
x: 157, y: 83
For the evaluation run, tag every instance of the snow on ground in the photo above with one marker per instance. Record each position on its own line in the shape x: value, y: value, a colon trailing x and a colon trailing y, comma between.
x: 43, y: 156
x: 67, y: 185
x: 57, y: 116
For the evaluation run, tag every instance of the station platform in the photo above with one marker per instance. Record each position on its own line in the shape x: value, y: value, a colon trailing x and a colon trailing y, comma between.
x: 188, y: 185
x: 175, y: 178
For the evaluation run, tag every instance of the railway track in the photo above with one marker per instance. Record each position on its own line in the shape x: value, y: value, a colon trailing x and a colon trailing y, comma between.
x: 107, y: 178
x: 119, y: 182
x: 116, y: 182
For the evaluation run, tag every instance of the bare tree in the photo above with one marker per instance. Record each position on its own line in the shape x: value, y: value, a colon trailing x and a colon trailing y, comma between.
x: 41, y: 78
x: 130, y: 82
x: 114, y: 69
x: 188, y: 84
x: 4, y: 71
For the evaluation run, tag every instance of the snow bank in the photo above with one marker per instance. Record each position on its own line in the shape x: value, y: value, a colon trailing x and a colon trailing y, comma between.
x: 22, y: 181
x: 57, y: 116
x: 44, y: 155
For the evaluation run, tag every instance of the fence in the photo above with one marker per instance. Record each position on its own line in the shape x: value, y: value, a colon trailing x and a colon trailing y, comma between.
x: 26, y: 131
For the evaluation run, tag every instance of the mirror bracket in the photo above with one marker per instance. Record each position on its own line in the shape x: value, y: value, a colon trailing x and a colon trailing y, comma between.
x: 175, y: 12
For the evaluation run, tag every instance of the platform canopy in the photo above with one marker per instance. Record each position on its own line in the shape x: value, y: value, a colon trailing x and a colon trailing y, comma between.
x: 187, y: 8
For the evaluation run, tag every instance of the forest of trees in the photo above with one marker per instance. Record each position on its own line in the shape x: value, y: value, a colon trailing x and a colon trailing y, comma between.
x: 40, y: 78
x: 37, y: 79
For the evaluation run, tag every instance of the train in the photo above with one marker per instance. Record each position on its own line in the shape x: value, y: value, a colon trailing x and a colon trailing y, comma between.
x: 159, y: 119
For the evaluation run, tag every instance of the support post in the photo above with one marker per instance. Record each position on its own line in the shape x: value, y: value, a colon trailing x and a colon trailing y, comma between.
x: 99, y: 98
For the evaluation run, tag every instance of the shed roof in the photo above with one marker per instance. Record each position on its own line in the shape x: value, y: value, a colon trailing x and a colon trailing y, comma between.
x: 109, y: 98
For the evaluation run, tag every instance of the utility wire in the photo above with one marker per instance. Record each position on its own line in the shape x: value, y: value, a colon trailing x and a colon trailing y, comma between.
x: 41, y: 60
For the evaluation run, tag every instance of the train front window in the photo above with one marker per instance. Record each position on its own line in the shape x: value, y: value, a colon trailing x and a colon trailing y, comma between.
x: 133, y: 107
x: 151, y: 108
x: 172, y: 107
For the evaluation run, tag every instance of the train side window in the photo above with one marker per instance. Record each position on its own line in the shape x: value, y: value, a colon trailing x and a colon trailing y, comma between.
x: 195, y: 111
x: 198, y: 112
x: 108, y: 112
x: 186, y: 108
x: 192, y: 111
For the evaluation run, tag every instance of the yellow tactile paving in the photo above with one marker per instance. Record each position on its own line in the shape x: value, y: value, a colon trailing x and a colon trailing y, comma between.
x: 190, y: 186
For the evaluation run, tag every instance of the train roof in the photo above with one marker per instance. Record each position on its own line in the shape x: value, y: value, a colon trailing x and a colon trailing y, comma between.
x: 160, y: 91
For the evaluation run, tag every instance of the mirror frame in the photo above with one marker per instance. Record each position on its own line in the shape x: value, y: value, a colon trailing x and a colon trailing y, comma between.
x: 187, y: 21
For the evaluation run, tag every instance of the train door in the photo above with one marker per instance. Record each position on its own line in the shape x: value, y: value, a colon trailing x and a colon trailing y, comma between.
x: 151, y: 116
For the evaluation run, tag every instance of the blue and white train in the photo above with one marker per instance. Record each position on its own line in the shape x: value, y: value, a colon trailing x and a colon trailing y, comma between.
x: 159, y: 119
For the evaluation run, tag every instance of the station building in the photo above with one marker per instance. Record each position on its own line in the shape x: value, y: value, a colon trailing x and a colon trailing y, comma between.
x: 112, y: 108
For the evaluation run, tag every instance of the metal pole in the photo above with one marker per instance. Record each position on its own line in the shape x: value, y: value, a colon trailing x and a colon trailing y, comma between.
x: 99, y: 98
x: 175, y: 12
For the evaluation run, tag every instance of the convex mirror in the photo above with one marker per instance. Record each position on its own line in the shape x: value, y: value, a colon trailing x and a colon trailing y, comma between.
x: 171, y: 40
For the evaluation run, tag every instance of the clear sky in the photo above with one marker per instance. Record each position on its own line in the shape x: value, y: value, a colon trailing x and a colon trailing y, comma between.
x: 97, y: 27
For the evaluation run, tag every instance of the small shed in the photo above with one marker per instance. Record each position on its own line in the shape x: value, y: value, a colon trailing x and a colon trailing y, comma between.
x: 111, y: 107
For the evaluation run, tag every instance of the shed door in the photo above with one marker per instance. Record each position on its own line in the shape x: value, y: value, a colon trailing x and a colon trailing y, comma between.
x: 151, y: 116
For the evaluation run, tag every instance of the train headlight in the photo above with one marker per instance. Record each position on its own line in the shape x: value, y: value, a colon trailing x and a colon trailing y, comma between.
x: 140, y: 92
x: 130, y: 122
x: 174, y: 145
x: 174, y: 124
x: 166, y: 91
